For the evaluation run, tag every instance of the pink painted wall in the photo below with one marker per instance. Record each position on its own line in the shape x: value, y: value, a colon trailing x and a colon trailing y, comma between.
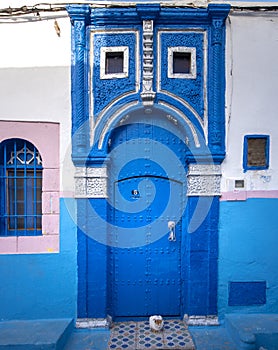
x: 45, y: 136
x: 243, y: 195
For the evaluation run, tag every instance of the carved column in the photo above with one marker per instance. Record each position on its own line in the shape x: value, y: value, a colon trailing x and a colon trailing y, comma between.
x: 90, y: 182
x: 148, y: 14
x: 216, y: 125
x: 80, y: 134
x: 147, y: 93
x: 203, y: 180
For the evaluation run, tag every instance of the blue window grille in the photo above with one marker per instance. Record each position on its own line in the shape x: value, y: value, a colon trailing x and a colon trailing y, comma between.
x: 21, y: 189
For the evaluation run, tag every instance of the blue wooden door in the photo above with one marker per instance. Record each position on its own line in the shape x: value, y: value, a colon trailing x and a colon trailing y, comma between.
x: 145, y: 265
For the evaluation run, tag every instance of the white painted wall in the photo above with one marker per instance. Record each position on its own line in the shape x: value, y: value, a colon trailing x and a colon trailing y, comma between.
x: 35, y: 68
x: 251, y: 94
x: 35, y: 83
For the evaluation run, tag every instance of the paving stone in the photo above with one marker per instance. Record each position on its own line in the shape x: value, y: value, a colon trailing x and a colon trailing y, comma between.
x: 138, y: 336
x: 212, y: 338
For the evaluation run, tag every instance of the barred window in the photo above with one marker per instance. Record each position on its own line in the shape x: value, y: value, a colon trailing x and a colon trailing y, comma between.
x: 256, y: 152
x: 21, y: 189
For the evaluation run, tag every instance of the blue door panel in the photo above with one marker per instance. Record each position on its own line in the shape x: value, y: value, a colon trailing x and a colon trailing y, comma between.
x: 166, y: 276
x: 147, y: 279
x: 129, y: 282
x: 82, y: 274
x: 145, y: 266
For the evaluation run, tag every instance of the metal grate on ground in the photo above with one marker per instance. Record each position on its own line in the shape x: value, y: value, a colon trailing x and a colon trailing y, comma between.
x: 137, y: 336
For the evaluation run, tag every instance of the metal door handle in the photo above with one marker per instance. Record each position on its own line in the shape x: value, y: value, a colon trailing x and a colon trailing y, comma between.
x: 172, y: 234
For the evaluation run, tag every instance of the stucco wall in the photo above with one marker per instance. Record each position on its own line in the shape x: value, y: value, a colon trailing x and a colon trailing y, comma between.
x: 251, y: 95
x: 35, y: 74
x: 37, y: 286
x: 248, y: 231
x: 35, y: 86
x: 248, y: 251
x: 35, y: 68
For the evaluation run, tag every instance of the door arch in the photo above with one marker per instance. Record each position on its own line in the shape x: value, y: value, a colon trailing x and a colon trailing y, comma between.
x: 145, y: 149
x: 148, y: 192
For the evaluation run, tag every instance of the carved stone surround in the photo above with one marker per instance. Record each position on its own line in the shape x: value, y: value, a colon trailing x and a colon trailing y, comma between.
x: 147, y: 93
x: 203, y: 180
x: 214, y: 16
x: 90, y: 182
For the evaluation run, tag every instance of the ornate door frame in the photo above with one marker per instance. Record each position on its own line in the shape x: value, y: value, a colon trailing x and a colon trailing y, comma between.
x: 90, y: 142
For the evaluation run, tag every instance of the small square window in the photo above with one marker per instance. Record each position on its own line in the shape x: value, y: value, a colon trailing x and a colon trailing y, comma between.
x: 114, y: 62
x: 256, y: 152
x: 182, y: 62
x: 239, y: 184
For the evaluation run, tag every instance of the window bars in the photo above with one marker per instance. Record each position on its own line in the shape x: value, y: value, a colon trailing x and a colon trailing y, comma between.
x: 21, y: 189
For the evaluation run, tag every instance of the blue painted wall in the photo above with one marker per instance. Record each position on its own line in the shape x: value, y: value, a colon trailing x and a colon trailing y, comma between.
x: 92, y: 259
x: 191, y: 90
x: 201, y: 251
x: 106, y: 90
x: 248, y: 241
x: 39, y: 286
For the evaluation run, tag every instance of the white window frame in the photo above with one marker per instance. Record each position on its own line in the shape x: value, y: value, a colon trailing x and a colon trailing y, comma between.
x: 125, y: 51
x: 193, y: 69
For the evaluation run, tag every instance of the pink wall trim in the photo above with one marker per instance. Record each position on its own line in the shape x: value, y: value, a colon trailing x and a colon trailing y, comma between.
x: 8, y: 245
x: 51, y: 202
x: 45, y: 136
x: 243, y: 195
x: 29, y: 244
x: 50, y: 180
x: 50, y: 224
x: 39, y: 244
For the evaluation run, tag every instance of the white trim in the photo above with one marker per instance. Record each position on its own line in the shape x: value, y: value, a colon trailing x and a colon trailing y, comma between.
x: 83, y: 323
x: 183, y: 49
x: 185, y: 104
x: 111, y: 120
x: 203, y: 180
x: 93, y: 120
x: 90, y: 182
x: 203, y: 122
x: 147, y: 94
x: 187, y: 120
x: 201, y: 320
x: 103, y: 52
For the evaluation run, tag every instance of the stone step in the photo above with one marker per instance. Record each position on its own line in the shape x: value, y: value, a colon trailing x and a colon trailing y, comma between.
x: 90, y: 338
x: 50, y: 334
x: 253, y: 331
x: 212, y: 338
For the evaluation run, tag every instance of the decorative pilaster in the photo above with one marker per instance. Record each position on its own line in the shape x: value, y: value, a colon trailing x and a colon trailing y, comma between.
x: 203, y: 180
x: 80, y: 16
x: 147, y: 93
x: 148, y: 13
x: 90, y: 182
x: 216, y: 123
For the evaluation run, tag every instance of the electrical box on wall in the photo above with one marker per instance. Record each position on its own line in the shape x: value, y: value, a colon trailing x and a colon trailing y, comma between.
x: 237, y: 188
x: 239, y: 184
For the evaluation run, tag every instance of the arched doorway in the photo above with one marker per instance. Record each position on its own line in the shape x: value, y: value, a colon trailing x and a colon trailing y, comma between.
x: 147, y: 190
x: 152, y: 185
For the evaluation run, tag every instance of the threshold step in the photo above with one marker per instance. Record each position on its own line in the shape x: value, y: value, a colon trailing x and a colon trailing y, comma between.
x: 50, y: 334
